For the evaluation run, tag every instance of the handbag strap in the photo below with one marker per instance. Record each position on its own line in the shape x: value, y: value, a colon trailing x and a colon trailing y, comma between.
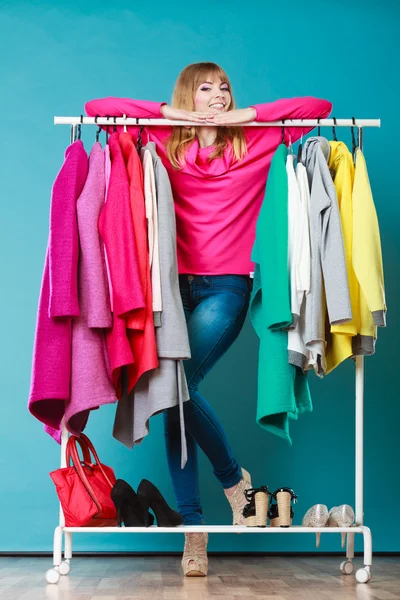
x: 87, y: 448
x: 80, y: 471
x: 90, y: 446
x: 84, y: 448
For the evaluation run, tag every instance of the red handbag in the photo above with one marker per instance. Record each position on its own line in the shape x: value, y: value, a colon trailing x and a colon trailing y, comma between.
x: 84, y: 489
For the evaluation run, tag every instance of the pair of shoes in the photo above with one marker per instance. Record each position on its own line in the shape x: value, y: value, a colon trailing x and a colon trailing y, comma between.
x: 255, y: 513
x: 133, y: 509
x: 194, y: 559
x: 238, y: 499
x: 281, y: 514
x: 319, y: 516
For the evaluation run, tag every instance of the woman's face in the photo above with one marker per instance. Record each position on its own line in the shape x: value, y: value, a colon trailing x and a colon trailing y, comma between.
x: 212, y: 96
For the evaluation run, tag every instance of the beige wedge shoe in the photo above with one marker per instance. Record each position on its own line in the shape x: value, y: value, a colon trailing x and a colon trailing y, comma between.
x: 194, y: 560
x: 238, y: 500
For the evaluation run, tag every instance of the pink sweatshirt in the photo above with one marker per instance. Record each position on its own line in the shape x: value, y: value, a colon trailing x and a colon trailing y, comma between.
x: 217, y: 202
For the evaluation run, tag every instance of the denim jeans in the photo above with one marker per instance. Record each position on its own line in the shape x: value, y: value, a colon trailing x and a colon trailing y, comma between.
x: 215, y: 309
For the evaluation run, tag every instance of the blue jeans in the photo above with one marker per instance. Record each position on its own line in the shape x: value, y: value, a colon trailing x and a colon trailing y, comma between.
x: 215, y: 309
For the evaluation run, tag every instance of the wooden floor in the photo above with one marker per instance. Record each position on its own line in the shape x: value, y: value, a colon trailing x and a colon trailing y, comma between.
x: 242, y: 578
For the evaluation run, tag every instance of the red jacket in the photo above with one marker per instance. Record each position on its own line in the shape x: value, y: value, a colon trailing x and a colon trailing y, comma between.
x: 140, y: 332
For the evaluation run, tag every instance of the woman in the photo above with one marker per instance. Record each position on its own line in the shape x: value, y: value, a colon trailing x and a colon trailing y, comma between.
x: 218, y: 176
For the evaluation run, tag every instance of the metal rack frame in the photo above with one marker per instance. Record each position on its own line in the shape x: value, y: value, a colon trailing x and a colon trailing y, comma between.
x: 62, y: 566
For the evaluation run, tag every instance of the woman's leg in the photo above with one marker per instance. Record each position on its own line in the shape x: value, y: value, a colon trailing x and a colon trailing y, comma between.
x: 220, y: 309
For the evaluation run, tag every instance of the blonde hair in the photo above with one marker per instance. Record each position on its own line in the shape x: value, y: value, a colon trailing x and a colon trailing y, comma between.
x: 183, y: 97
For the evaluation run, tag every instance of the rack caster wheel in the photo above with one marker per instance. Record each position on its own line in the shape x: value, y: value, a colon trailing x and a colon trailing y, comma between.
x: 347, y: 567
x: 363, y: 575
x: 65, y: 567
x: 53, y: 575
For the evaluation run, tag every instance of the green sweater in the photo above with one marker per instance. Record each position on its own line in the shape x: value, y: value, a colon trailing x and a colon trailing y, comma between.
x: 282, y: 388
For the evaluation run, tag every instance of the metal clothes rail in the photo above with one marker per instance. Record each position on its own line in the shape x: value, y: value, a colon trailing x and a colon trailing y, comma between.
x: 363, y: 575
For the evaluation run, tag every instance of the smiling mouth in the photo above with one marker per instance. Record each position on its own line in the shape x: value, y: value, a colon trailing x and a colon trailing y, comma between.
x: 218, y: 105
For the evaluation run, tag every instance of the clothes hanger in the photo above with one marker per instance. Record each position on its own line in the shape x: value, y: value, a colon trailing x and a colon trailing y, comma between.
x: 354, y: 142
x: 79, y: 128
x: 319, y: 128
x: 107, y: 117
x: 290, y: 147
x: 334, y: 130
x: 125, y: 128
x: 99, y: 129
x: 300, y: 148
x: 139, y: 142
x: 115, y: 125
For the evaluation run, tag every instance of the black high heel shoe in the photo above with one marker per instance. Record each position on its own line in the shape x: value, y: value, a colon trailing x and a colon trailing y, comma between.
x: 151, y: 497
x: 130, y: 510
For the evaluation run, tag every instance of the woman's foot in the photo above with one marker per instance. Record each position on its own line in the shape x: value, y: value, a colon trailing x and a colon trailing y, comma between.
x: 194, y: 559
x: 237, y: 499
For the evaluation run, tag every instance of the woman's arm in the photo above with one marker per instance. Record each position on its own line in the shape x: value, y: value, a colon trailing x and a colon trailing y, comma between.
x: 287, y: 108
x: 117, y: 107
x: 140, y: 109
x: 307, y: 107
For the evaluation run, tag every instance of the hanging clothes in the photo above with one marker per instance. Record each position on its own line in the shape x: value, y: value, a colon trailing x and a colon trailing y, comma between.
x: 116, y: 230
x: 58, y: 303
x: 152, y: 225
x: 91, y: 385
x: 367, y: 261
x: 283, y: 391
x: 140, y: 326
x: 136, y: 197
x: 299, y: 259
x: 216, y: 208
x: 165, y: 386
x: 339, y: 346
x: 107, y: 168
x: 329, y: 285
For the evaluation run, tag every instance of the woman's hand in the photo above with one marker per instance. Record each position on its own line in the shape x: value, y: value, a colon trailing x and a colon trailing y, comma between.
x: 233, y: 117
x: 180, y: 114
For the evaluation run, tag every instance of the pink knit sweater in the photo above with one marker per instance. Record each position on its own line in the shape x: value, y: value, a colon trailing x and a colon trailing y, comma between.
x: 217, y: 202
x: 58, y: 303
x: 91, y: 385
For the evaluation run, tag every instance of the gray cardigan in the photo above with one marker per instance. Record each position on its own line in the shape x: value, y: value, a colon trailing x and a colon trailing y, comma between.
x: 328, y: 262
x: 165, y: 386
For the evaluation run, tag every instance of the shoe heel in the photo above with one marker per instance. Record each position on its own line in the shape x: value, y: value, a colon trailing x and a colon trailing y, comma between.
x: 119, y: 517
x: 283, y: 500
x: 146, y: 515
x: 261, y: 500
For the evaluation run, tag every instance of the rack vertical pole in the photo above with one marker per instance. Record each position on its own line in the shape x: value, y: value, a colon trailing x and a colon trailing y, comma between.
x: 360, y: 419
x: 359, y: 440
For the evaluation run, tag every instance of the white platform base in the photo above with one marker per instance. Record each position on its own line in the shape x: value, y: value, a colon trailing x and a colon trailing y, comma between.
x: 363, y: 575
x: 213, y: 529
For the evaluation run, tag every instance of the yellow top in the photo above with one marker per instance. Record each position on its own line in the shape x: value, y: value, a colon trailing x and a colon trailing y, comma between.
x: 339, y: 342
x: 363, y: 253
x: 367, y: 253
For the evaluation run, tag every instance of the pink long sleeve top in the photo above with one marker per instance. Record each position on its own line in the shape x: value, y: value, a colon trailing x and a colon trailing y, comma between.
x: 217, y: 202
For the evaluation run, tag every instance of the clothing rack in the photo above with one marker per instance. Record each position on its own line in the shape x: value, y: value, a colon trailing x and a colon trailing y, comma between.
x: 363, y: 575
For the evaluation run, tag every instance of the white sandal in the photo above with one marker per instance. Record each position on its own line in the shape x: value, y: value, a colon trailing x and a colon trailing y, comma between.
x: 194, y: 560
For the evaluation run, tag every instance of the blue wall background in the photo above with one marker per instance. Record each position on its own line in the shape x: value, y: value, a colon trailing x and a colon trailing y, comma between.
x: 54, y: 58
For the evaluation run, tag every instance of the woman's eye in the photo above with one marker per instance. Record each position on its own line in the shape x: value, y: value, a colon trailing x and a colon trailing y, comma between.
x: 206, y: 89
